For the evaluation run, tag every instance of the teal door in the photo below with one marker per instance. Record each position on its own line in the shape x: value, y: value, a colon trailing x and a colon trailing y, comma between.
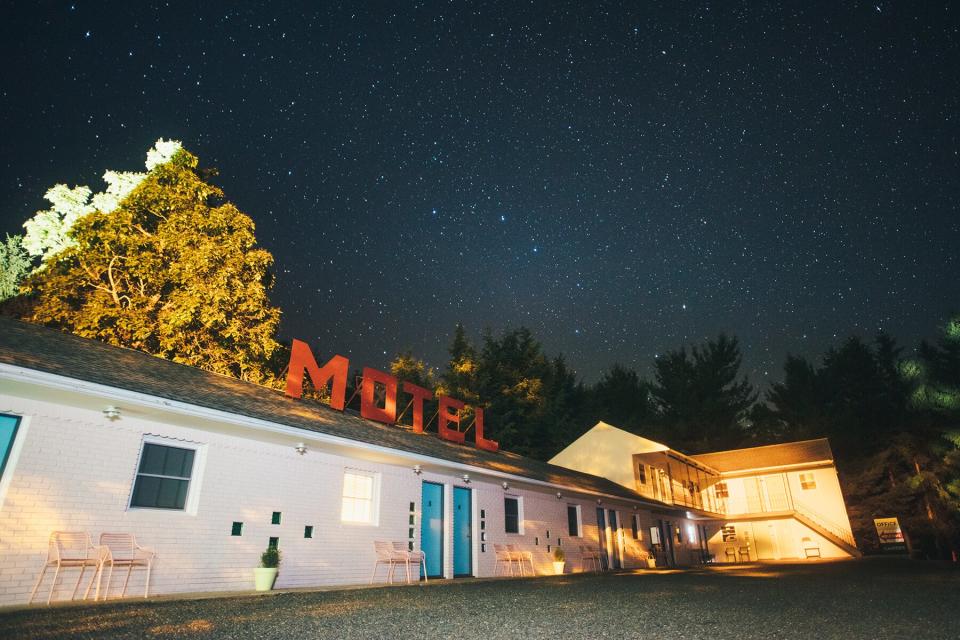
x: 431, y: 528
x: 462, y: 532
x: 8, y: 432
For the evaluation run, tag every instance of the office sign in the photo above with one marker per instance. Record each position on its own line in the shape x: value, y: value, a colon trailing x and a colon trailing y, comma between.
x: 890, y: 534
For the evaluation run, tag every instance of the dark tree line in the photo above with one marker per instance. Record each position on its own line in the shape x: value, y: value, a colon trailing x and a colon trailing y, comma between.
x: 893, y: 423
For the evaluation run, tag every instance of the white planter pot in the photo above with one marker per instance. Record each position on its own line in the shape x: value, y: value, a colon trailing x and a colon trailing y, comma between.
x: 263, y: 579
x: 558, y: 567
x: 652, y: 563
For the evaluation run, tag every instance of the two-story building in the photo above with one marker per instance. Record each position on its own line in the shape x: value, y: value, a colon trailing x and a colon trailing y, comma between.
x: 775, y: 502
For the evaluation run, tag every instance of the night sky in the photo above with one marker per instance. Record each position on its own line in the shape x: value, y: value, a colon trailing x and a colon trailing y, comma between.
x: 620, y: 178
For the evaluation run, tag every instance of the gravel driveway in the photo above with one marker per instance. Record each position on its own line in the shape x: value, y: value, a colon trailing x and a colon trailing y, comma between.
x: 879, y: 598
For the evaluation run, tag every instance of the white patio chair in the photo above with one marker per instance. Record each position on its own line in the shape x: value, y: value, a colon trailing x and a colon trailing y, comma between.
x: 810, y: 548
x: 386, y: 555
x: 67, y: 549
x: 589, y: 555
x: 416, y: 558
x: 122, y: 550
x: 503, y: 556
x: 522, y: 556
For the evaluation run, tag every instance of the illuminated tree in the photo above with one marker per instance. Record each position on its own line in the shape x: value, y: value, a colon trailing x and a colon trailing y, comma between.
x: 169, y: 269
x: 14, y: 266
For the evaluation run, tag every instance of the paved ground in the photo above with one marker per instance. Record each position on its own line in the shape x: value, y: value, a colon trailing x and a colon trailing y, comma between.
x: 880, y: 598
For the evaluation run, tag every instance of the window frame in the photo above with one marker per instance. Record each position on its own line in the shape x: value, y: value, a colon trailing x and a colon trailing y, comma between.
x: 807, y: 485
x: 642, y: 473
x: 579, y: 516
x: 725, y: 490
x: 193, y: 483
x: 637, y: 528
x: 519, y: 501
x: 374, y: 520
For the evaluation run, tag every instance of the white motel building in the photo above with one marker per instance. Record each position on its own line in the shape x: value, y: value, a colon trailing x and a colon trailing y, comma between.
x: 208, y: 471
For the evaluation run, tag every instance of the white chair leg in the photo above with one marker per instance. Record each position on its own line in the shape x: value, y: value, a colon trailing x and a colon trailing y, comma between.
x: 129, y: 571
x: 56, y: 574
x: 37, y: 585
x: 106, y: 592
x: 423, y: 562
x: 94, y: 577
x: 83, y: 569
x: 146, y: 589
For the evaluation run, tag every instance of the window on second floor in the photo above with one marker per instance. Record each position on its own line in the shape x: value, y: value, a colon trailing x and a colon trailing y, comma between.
x: 642, y: 473
x: 807, y: 481
x: 722, y: 490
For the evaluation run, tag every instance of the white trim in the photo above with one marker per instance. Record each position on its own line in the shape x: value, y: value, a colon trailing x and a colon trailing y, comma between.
x: 16, y: 447
x: 21, y: 374
x: 520, y: 527
x: 579, y: 511
x: 781, y: 467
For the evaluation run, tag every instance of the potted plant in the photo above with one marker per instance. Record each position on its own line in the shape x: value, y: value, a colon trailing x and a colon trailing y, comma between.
x: 558, y: 560
x: 266, y: 574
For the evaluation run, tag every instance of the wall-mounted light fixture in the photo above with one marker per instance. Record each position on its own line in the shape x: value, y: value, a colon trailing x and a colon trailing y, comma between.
x: 466, y: 478
x: 505, y: 485
x: 559, y: 496
x: 599, y: 501
x: 300, y: 448
x: 111, y: 412
x: 417, y: 469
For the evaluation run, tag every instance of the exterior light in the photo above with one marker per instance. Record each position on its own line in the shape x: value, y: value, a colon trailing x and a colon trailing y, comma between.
x: 111, y: 412
x: 417, y: 469
x: 505, y: 485
x: 300, y: 448
x: 559, y: 496
x: 466, y: 478
x: 599, y: 501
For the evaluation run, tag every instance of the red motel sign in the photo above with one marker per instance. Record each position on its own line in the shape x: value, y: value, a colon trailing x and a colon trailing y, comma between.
x: 334, y: 374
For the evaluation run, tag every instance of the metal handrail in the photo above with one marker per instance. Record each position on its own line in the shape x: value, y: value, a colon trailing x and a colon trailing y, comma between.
x: 837, y: 530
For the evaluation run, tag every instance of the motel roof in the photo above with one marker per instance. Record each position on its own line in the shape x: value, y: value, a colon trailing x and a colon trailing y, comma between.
x: 54, y: 352
x: 774, y: 455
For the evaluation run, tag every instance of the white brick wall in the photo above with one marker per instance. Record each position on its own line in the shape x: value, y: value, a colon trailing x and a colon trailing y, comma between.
x: 76, y: 469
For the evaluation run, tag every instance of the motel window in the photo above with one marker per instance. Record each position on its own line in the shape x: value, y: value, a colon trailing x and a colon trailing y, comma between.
x: 8, y: 432
x: 722, y: 491
x: 807, y: 481
x: 642, y: 473
x: 163, y: 477
x: 573, y: 520
x: 512, y: 515
x: 679, y: 535
x: 359, y: 497
x: 636, y: 527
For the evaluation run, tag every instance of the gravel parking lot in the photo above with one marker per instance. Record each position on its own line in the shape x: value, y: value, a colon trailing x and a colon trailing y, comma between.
x: 879, y: 598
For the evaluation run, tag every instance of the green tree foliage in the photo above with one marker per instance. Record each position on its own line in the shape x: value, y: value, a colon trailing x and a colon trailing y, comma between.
x: 623, y: 399
x: 703, y: 402
x: 173, y: 271
x: 15, y: 264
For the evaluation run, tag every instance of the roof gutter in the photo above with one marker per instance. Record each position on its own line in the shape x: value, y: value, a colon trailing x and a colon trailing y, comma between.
x: 63, y: 383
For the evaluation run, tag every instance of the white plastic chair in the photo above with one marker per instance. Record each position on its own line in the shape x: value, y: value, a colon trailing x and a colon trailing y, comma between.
x: 67, y: 549
x: 522, y: 556
x: 416, y: 558
x: 504, y: 556
x: 388, y: 556
x: 122, y: 550
x: 591, y: 555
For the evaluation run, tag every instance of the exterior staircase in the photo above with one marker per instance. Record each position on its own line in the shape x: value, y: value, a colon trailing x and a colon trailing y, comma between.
x: 835, y: 534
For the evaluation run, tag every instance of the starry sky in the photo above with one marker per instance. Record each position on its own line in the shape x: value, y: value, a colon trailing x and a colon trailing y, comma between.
x: 622, y: 178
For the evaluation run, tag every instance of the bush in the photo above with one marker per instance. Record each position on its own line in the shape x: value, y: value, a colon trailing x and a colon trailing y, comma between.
x: 270, y: 559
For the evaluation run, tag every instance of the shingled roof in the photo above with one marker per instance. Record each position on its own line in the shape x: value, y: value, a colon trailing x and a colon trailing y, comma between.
x: 774, y: 455
x: 54, y: 352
